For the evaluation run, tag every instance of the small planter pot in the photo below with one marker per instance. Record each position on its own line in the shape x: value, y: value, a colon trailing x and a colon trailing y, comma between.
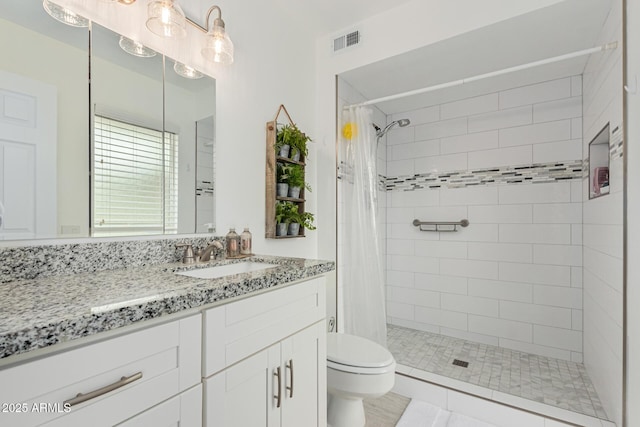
x: 284, y: 151
x: 294, y: 192
x: 294, y: 229
x: 296, y: 157
x: 282, y: 189
x: 281, y: 229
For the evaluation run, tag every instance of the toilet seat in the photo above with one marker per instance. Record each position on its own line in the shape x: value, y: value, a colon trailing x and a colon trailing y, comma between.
x: 353, y: 354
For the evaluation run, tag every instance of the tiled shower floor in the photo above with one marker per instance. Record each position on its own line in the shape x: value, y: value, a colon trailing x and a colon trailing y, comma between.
x: 555, y: 382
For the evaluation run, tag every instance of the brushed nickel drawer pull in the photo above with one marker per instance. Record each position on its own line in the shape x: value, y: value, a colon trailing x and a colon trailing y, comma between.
x: 80, y: 397
x: 290, y: 367
x: 278, y: 396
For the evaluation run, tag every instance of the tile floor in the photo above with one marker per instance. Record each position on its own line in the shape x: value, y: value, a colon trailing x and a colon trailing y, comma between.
x: 542, y: 379
x: 385, y: 411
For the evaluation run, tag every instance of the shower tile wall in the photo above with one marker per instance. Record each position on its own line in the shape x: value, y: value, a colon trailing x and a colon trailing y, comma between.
x: 603, y: 232
x: 348, y: 95
x: 513, y: 278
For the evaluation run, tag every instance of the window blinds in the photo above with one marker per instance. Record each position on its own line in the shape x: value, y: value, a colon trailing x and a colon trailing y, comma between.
x: 135, y: 179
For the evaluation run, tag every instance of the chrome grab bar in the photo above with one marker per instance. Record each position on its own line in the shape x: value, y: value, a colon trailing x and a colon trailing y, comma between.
x: 438, y: 225
x: 80, y: 397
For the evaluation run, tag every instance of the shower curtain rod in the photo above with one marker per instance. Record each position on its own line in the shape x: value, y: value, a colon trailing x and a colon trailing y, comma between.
x: 460, y: 82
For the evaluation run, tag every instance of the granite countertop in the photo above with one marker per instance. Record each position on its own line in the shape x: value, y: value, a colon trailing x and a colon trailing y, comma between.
x: 41, y: 312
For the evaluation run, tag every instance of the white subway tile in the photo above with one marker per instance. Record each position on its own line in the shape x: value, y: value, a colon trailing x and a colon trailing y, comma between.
x: 501, y: 119
x: 535, y: 233
x: 415, y: 264
x: 446, y: 163
x: 541, y: 92
x: 469, y: 304
x: 557, y: 296
x: 434, y: 316
x: 604, y: 210
x: 440, y: 213
x: 482, y: 195
x: 558, y: 338
x: 400, y: 311
x: 509, y: 291
x: 576, y: 234
x: 576, y: 85
x: 576, y: 276
x: 469, y: 268
x: 448, y: 284
x: 415, y: 149
x: 500, y: 252
x: 568, y: 108
x: 557, y: 151
x: 557, y: 255
x: 400, y: 167
x: 410, y: 199
x: 441, y: 249
x: 541, y: 350
x: 413, y: 296
x: 399, y: 215
x: 536, y: 133
x: 577, y: 357
x: 470, y: 336
x: 420, y: 116
x: 405, y: 231
x: 576, y: 320
x: 576, y: 128
x: 434, y: 329
x: 539, y: 274
x: 400, y: 247
x: 607, y: 239
x: 473, y: 233
x: 500, y: 214
x: 536, y: 314
x: 556, y: 192
x: 502, y: 328
x: 511, y: 156
x: 470, y: 106
x: 557, y: 213
x: 469, y: 142
x: 402, y: 135
x: 441, y: 129
x: 577, y: 190
x: 607, y: 268
x: 400, y: 278
x: 607, y: 298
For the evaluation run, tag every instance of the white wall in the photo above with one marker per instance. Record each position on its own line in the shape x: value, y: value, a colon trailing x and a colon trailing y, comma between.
x: 603, y: 231
x: 632, y: 155
x: 513, y: 277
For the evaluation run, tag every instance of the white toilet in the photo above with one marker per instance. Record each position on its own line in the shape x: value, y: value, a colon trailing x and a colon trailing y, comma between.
x: 357, y: 368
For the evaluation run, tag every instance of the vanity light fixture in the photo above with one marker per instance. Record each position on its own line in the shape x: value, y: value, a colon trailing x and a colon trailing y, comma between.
x: 218, y: 46
x: 166, y: 19
x: 186, y: 71
x: 64, y: 15
x: 135, y: 48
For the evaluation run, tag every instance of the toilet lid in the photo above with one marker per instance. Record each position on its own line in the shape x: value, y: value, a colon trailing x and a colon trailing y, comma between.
x: 351, y: 350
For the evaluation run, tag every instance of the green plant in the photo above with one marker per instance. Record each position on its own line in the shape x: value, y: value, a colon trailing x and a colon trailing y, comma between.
x: 295, y: 177
x: 286, y: 212
x: 282, y: 172
x: 306, y: 220
x: 284, y: 135
x: 294, y: 137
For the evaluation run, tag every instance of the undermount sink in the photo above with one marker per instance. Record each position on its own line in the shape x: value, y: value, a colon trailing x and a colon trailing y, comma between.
x: 226, y: 270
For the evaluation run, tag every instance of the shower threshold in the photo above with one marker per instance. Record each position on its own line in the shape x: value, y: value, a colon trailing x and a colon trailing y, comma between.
x: 552, y: 387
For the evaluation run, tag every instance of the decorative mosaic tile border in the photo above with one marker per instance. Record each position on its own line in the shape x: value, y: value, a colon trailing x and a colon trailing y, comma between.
x: 535, y: 173
x: 616, y: 145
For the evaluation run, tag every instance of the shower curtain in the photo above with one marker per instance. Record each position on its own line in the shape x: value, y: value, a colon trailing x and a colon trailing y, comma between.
x: 364, y: 298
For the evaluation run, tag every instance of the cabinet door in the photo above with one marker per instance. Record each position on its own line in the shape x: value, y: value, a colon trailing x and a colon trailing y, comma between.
x: 303, y: 359
x: 184, y: 410
x: 243, y: 394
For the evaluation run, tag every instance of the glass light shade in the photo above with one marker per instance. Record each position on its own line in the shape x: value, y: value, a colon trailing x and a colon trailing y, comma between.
x: 186, y: 71
x: 166, y: 19
x: 64, y: 15
x: 218, y: 46
x: 135, y: 48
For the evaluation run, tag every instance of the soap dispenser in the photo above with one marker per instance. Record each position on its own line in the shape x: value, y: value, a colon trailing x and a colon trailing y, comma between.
x: 233, y: 243
x: 245, y: 242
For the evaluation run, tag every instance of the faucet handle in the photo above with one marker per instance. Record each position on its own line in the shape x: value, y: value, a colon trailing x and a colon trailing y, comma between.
x: 188, y: 257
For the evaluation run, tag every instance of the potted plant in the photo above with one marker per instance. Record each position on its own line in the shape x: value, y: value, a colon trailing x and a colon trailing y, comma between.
x: 295, y: 179
x: 283, y: 140
x: 286, y: 213
x: 304, y: 219
x: 282, y: 174
x: 298, y: 144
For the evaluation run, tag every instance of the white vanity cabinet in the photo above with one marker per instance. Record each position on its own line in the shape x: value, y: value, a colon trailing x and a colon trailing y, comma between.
x: 121, y: 377
x: 264, y: 359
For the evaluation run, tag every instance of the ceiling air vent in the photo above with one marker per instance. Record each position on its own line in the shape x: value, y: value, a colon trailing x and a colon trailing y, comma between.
x: 347, y: 40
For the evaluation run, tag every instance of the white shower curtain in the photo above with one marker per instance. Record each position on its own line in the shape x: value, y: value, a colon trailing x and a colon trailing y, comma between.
x: 363, y: 287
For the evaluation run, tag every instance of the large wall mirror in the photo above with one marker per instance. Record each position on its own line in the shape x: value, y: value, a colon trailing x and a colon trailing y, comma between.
x: 129, y: 154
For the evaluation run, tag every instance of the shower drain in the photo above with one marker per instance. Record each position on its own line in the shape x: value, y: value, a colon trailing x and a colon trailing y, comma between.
x: 462, y: 363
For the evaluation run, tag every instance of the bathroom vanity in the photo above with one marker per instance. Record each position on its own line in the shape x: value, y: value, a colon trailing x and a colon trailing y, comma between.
x: 146, y: 346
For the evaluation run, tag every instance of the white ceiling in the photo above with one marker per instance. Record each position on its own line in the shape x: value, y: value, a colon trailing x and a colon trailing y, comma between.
x: 562, y: 28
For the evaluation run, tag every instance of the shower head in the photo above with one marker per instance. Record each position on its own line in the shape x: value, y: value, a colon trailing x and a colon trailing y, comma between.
x: 382, y: 132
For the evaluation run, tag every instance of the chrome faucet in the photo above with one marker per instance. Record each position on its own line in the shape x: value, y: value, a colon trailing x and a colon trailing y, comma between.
x: 205, y: 254
x: 187, y: 257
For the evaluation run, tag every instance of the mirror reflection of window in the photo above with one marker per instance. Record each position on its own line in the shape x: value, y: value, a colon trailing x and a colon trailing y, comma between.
x: 205, y: 175
x: 135, y: 179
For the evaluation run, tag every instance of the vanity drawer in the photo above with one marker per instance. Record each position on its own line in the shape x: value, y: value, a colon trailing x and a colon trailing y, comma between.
x: 159, y: 362
x: 237, y: 330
